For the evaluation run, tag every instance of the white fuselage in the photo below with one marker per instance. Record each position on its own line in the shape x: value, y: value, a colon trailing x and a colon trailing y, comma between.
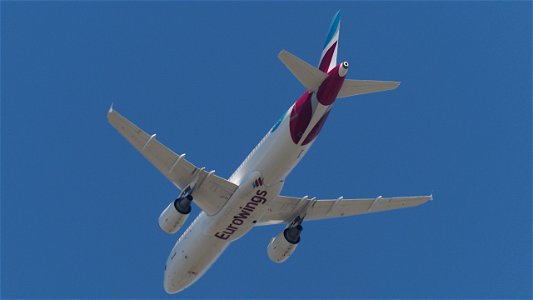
x: 208, y: 236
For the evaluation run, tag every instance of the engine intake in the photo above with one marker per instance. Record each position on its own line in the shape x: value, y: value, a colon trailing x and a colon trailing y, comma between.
x: 175, y: 215
x: 283, y: 245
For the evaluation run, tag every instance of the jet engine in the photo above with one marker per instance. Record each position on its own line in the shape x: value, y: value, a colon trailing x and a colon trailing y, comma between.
x: 283, y: 245
x: 175, y: 215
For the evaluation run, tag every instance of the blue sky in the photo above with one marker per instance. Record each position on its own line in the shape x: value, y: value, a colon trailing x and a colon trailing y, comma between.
x: 79, y: 206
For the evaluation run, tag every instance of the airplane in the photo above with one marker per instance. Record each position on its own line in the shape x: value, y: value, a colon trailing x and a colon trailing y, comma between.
x: 230, y: 208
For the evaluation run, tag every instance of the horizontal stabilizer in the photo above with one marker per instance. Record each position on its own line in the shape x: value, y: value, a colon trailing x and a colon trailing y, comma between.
x: 309, y: 76
x: 358, y: 87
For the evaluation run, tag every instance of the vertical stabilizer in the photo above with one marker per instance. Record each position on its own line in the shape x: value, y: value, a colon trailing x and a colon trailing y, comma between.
x: 328, y: 59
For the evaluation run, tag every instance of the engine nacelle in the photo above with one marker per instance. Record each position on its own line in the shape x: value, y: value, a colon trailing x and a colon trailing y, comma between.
x: 171, y: 219
x: 280, y: 249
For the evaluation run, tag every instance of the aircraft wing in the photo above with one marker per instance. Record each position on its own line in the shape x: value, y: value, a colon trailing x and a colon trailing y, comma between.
x: 284, y: 209
x: 211, y: 192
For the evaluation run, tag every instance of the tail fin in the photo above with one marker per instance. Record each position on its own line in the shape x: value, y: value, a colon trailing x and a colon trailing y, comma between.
x: 328, y: 59
x: 311, y: 77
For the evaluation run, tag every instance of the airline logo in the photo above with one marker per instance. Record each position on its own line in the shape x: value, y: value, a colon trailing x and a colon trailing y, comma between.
x: 257, y: 183
x: 245, y: 212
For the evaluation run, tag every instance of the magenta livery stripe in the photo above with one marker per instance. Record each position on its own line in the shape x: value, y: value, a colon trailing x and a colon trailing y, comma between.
x: 326, y: 60
x: 328, y: 90
x: 301, y: 114
x: 316, y: 129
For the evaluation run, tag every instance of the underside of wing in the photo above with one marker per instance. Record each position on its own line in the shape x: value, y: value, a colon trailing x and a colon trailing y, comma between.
x: 283, y: 209
x: 211, y: 192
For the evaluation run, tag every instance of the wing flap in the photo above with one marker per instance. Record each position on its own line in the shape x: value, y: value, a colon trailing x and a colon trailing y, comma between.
x: 178, y: 171
x: 211, y: 191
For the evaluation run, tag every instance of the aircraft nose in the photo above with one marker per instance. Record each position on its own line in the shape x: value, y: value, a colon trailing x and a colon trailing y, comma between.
x: 170, y: 284
x: 167, y: 283
x: 175, y: 281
